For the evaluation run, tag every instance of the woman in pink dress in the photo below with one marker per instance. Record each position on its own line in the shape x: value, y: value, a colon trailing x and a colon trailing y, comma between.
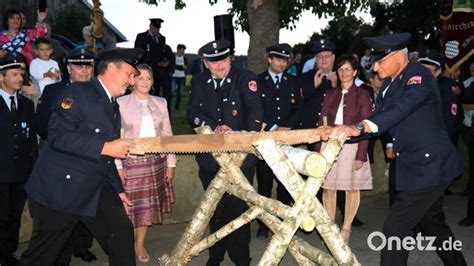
x: 347, y: 104
x: 146, y: 179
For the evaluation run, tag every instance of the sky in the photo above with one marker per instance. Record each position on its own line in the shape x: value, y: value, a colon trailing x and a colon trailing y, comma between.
x: 194, y: 25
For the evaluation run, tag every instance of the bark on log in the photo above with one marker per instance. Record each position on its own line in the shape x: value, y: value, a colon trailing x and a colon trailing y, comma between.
x: 294, y: 184
x: 305, y: 162
x: 205, y: 210
x: 226, y: 230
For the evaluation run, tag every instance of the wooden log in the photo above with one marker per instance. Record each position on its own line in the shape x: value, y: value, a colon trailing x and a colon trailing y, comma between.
x: 226, y: 230
x: 293, y: 182
x: 205, y: 210
x: 305, y: 162
x: 315, y: 254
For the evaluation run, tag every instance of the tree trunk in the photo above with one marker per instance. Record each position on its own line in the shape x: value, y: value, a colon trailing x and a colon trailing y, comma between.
x: 264, y: 30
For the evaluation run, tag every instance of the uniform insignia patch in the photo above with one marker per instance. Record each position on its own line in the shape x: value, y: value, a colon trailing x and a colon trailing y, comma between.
x: 66, y: 103
x: 235, y: 113
x: 454, y: 109
x: 253, y: 85
x: 414, y: 80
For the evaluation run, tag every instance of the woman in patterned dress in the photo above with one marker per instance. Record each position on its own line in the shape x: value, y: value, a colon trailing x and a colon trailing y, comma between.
x: 347, y: 104
x: 146, y: 179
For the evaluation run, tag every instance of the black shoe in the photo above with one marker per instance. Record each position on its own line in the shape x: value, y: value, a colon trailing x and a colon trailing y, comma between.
x: 62, y: 264
x: 464, y: 193
x: 357, y: 223
x: 467, y: 221
x: 262, y: 233
x: 11, y: 260
x: 85, y: 255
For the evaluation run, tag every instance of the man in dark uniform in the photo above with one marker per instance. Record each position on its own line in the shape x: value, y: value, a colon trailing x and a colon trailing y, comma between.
x: 468, y: 136
x: 281, y: 99
x: 159, y: 56
x: 317, y: 82
x: 410, y: 109
x: 225, y: 98
x: 80, y: 67
x: 19, y: 151
x: 450, y: 108
x: 75, y: 178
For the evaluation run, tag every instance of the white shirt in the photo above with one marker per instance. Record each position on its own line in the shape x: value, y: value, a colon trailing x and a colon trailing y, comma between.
x: 6, y: 98
x: 340, y: 111
x: 147, y: 128
x: 38, y: 67
x: 179, y: 62
x: 274, y: 75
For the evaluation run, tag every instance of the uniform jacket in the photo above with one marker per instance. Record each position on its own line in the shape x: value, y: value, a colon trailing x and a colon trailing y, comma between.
x: 131, y: 113
x: 312, y: 99
x: 155, y: 52
x: 236, y: 104
x: 451, y: 109
x: 70, y: 170
x: 281, y: 105
x: 18, y: 141
x: 411, y: 112
x: 43, y: 109
x: 357, y: 107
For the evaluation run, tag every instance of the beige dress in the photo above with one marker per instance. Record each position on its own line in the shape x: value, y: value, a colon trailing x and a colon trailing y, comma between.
x: 342, y: 175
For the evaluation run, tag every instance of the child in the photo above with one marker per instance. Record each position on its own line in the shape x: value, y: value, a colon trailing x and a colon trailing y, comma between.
x: 44, y: 69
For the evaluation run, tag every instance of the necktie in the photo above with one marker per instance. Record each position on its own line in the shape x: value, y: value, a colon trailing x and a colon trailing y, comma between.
x: 13, y: 108
x: 218, y: 83
x: 277, y: 82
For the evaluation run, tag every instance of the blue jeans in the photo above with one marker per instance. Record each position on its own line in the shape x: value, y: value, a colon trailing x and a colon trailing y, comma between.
x: 177, y: 84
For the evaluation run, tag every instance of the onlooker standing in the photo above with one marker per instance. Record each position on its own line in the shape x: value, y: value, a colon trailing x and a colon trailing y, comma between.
x: 15, y: 38
x: 44, y: 69
x: 317, y: 82
x: 365, y: 62
x: 88, y: 40
x: 83, y: 135
x: 427, y: 161
x: 179, y: 75
x: 225, y: 98
x: 159, y: 56
x: 80, y: 67
x: 295, y: 64
x: 147, y: 179
x: 345, y: 105
x: 281, y: 100
x: 19, y: 151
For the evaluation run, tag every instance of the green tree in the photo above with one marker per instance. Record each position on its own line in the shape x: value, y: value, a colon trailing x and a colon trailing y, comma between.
x: 418, y: 17
x: 263, y: 19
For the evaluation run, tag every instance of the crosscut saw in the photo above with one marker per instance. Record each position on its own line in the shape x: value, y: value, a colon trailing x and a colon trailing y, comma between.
x: 233, y: 141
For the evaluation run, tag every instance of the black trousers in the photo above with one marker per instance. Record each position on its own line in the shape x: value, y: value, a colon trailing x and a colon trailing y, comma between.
x: 391, y: 181
x: 12, y: 202
x: 52, y: 229
x: 468, y: 141
x: 81, y: 239
x: 162, y: 85
x: 229, y: 208
x: 265, y: 177
x: 424, y: 208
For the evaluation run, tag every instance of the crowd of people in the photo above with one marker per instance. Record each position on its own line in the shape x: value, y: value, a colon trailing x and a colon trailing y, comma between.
x: 84, y: 184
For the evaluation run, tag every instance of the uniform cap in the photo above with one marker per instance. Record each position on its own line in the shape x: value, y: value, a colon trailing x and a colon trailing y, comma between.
x: 323, y: 45
x: 156, y: 22
x: 432, y: 57
x: 381, y: 46
x: 81, y: 56
x: 215, y: 50
x: 281, y: 50
x: 12, y: 60
x: 130, y: 56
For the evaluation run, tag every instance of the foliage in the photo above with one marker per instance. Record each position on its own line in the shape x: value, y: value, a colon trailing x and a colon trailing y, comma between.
x: 70, y: 22
x: 419, y: 17
x: 290, y: 11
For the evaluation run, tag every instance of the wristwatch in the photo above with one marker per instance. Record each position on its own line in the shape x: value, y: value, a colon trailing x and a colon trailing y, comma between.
x: 360, y: 126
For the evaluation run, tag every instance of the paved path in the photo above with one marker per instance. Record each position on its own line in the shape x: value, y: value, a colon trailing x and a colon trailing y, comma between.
x: 161, y: 239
